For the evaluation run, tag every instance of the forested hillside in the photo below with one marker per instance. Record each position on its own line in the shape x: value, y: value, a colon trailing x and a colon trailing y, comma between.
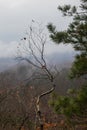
x: 17, y: 96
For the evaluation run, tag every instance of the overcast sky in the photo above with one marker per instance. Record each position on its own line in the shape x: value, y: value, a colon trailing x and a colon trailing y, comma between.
x: 16, y: 15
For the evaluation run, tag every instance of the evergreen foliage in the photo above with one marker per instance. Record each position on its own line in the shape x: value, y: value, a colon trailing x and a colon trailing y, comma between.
x: 74, y: 105
x: 76, y: 34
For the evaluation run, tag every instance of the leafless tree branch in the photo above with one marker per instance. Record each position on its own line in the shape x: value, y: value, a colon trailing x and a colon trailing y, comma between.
x: 35, y: 47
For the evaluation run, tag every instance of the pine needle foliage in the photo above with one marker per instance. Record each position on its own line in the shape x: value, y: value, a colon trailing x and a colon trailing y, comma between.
x: 74, y: 105
x: 76, y: 34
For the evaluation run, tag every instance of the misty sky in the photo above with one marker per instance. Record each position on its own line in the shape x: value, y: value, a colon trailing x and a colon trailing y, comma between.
x: 16, y: 15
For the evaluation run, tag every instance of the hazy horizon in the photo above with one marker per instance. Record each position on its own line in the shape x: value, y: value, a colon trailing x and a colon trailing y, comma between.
x: 17, y: 15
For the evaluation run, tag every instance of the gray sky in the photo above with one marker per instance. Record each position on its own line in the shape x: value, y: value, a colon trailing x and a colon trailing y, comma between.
x: 16, y: 15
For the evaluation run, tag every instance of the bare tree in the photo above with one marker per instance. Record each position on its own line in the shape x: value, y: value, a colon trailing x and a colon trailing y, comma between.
x: 32, y: 49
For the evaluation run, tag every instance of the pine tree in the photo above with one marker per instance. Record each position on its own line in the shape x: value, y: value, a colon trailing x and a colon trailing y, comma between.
x: 73, y: 106
x: 76, y: 34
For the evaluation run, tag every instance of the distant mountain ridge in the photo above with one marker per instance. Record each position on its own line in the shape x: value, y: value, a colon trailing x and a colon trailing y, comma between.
x: 5, y: 63
x: 55, y: 58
